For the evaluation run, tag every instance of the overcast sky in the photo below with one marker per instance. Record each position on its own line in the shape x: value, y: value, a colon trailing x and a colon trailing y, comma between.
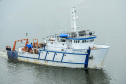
x: 40, y: 18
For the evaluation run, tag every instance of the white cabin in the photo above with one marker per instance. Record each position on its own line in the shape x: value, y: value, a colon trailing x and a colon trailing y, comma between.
x: 71, y: 40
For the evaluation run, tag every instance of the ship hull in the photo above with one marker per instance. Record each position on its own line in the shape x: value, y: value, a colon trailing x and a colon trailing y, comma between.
x: 61, y: 59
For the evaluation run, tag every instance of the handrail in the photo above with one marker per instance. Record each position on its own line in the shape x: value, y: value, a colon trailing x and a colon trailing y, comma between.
x: 35, y: 42
x: 63, y: 52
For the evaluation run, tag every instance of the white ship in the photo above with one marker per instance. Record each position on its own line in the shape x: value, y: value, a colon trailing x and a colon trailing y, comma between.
x: 74, y: 49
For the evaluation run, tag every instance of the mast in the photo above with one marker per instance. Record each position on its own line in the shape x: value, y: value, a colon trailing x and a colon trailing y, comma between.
x: 73, y: 20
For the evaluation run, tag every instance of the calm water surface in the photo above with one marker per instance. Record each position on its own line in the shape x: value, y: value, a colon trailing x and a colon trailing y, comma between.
x: 40, y: 18
x: 27, y: 73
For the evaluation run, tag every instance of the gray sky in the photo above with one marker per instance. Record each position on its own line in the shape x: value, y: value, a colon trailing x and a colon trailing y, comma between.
x: 42, y: 17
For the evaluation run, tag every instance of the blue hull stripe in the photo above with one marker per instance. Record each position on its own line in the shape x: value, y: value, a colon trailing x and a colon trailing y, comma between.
x: 82, y: 38
x: 52, y: 60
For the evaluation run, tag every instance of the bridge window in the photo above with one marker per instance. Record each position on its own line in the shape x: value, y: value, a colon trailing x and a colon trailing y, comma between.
x: 87, y: 41
x: 62, y: 40
x: 76, y: 41
x: 91, y: 40
x: 83, y: 41
x: 70, y: 40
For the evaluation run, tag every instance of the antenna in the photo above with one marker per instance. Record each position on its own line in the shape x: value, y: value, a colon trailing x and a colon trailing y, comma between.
x: 73, y: 19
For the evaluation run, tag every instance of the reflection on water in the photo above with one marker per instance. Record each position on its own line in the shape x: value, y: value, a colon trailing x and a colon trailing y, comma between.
x: 28, y: 73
